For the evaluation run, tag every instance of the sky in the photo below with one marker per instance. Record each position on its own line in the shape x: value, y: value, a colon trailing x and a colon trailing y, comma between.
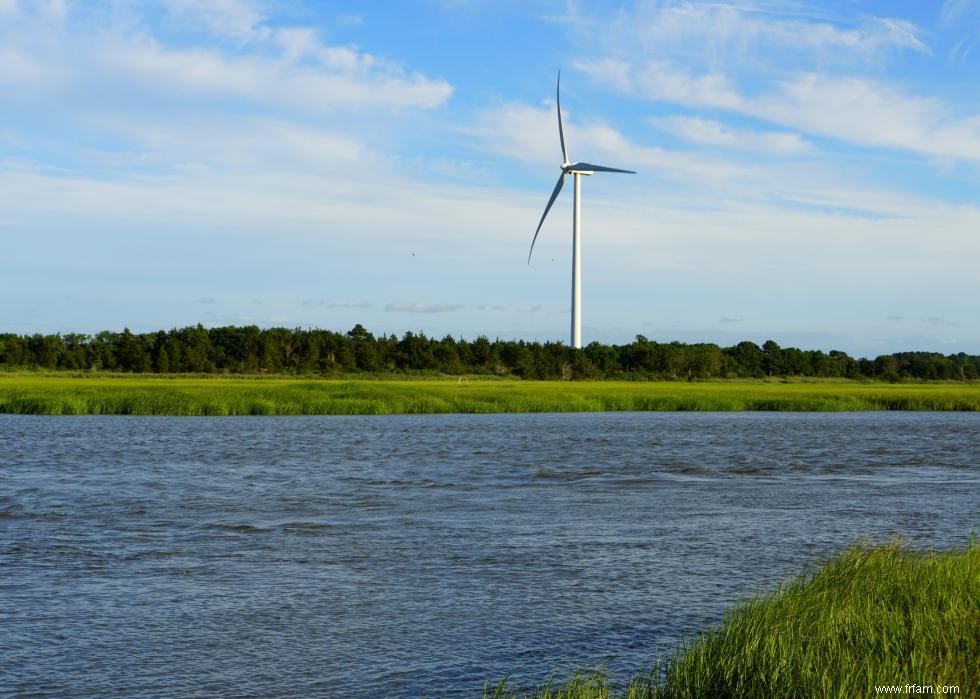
x: 807, y: 172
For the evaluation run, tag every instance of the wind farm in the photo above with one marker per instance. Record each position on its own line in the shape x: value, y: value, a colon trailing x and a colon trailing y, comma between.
x: 577, y: 171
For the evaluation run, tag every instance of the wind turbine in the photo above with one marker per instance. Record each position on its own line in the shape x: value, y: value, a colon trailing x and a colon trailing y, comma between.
x: 576, y: 169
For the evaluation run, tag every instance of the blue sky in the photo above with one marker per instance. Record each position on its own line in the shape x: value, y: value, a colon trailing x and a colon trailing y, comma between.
x: 807, y: 172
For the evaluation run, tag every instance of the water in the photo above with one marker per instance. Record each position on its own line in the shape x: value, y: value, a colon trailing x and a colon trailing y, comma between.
x: 424, y: 555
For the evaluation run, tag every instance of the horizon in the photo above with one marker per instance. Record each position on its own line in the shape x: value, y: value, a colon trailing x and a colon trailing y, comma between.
x: 807, y: 172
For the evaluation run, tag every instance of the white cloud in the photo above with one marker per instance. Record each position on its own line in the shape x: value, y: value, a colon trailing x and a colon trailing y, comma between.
x: 659, y: 80
x: 525, y: 133
x: 713, y: 133
x: 108, y: 50
x: 52, y: 10
x: 855, y: 110
x: 19, y: 69
x: 341, y: 79
x: 242, y: 143
x: 850, y: 108
x: 236, y: 19
x: 773, y: 63
x: 530, y: 135
x: 870, y: 114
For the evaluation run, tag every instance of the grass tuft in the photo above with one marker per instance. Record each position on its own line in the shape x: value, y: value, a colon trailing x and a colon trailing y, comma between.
x: 867, y: 618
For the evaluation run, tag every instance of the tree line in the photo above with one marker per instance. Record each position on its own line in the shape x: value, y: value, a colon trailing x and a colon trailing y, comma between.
x: 254, y: 350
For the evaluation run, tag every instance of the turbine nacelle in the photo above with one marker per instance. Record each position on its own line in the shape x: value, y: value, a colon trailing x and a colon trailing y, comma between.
x: 571, y: 168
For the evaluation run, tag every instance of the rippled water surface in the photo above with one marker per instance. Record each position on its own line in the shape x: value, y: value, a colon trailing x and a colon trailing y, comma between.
x: 423, y: 555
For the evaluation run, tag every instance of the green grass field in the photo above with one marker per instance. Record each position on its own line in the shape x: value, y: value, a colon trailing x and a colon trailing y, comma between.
x: 869, y: 617
x: 180, y: 395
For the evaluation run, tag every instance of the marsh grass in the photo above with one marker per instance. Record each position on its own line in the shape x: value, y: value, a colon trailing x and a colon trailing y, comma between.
x: 868, y: 617
x: 170, y: 395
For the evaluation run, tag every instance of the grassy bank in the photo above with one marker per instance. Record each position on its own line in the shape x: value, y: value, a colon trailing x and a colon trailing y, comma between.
x: 180, y: 395
x: 882, y: 616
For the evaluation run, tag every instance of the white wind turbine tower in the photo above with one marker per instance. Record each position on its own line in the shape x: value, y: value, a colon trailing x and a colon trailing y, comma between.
x: 576, y: 169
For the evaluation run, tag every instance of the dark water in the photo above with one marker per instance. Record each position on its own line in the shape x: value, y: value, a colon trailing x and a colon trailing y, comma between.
x: 402, y: 556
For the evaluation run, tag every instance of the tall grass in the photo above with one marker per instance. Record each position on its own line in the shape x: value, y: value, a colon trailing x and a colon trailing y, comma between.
x: 866, y: 618
x: 136, y: 395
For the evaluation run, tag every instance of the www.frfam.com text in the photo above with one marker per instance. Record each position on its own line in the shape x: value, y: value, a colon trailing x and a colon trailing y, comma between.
x: 939, y: 689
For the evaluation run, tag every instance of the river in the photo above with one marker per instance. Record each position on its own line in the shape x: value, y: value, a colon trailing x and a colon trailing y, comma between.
x: 424, y: 555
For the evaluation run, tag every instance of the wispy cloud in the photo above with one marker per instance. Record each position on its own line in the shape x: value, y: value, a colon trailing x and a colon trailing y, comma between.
x: 350, y: 20
x: 334, y: 304
x: 721, y: 32
x: 937, y: 320
x: 956, y: 10
x: 963, y: 17
x: 420, y: 307
x: 207, y: 301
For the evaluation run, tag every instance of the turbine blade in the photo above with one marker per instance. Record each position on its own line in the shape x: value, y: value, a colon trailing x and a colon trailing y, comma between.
x: 599, y: 168
x: 561, y: 132
x: 554, y: 195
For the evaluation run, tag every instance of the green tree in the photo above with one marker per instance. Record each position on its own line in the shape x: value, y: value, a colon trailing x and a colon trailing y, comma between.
x: 750, y: 358
x: 76, y: 353
x: 196, y: 349
x: 129, y: 351
x: 446, y: 354
x: 772, y: 358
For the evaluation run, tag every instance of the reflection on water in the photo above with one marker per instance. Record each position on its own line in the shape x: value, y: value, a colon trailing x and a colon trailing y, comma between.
x: 414, y: 555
